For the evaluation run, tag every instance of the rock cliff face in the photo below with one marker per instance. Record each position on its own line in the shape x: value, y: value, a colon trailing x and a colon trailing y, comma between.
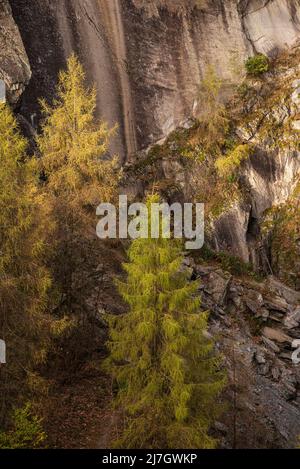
x: 147, y: 57
x: 14, y: 65
x: 270, y: 24
x: 271, y: 178
x: 171, y: 44
x: 52, y: 30
x: 270, y: 175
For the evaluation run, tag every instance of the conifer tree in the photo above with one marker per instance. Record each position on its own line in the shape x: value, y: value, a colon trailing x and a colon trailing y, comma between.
x: 161, y: 357
x: 213, y: 114
x: 73, y: 147
x: 24, y: 281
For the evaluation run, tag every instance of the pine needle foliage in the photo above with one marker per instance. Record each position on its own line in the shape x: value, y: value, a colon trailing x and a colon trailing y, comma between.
x: 74, y: 145
x: 161, y: 357
x: 228, y: 164
x: 78, y: 174
x: 24, y: 280
x: 26, y: 431
x: 213, y: 114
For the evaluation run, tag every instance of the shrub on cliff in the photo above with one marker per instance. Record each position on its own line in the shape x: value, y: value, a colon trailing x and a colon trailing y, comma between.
x: 257, y: 65
x: 213, y: 114
x: 227, y: 164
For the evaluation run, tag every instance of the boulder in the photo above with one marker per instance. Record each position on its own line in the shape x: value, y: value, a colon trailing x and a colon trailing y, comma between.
x: 296, y: 83
x: 264, y: 369
x: 276, y: 303
x: 271, y: 345
x: 296, y: 97
x: 276, y: 335
x: 276, y: 373
x: 217, y: 287
x: 264, y: 313
x: 259, y: 357
x: 292, y: 320
x: 290, y: 295
x: 254, y: 301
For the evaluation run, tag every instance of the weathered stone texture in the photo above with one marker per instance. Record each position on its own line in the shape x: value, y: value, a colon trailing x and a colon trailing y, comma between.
x: 14, y: 65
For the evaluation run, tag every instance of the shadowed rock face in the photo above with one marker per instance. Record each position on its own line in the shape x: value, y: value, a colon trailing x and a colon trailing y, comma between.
x: 147, y: 58
x: 14, y: 65
x: 52, y: 30
x: 271, y: 178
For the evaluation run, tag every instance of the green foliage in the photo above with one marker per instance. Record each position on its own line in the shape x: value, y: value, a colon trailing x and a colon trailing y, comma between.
x: 228, y: 262
x: 244, y: 91
x: 24, y: 280
x: 213, y: 114
x: 257, y: 65
x: 227, y: 164
x: 283, y: 223
x: 161, y: 357
x: 195, y: 153
x: 26, y: 432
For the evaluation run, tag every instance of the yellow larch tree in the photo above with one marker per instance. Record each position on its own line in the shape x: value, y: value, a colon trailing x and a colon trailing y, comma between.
x: 24, y: 280
x: 77, y: 170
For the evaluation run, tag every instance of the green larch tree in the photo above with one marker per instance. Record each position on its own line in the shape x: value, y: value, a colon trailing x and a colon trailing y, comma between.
x: 161, y: 357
